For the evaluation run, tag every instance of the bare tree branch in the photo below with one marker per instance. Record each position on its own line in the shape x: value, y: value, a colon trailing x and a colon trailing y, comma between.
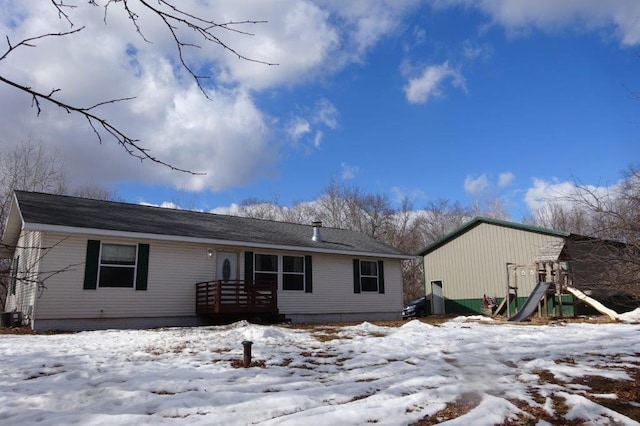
x: 180, y: 18
x: 96, y: 122
x: 176, y: 19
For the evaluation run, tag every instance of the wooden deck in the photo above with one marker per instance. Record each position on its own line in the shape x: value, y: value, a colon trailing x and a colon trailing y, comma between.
x: 237, y: 299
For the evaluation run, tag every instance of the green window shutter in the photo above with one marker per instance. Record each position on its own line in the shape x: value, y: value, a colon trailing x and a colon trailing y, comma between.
x: 91, y: 265
x: 380, y: 276
x: 14, y: 274
x: 248, y: 266
x: 308, y: 275
x: 356, y: 276
x: 142, y: 271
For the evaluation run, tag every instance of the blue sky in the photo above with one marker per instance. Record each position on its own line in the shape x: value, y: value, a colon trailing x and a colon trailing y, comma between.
x: 455, y: 100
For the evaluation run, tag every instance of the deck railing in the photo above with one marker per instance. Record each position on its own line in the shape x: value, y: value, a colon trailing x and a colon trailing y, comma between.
x: 236, y: 297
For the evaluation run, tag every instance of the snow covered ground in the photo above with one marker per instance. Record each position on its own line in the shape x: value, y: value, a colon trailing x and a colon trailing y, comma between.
x: 349, y: 375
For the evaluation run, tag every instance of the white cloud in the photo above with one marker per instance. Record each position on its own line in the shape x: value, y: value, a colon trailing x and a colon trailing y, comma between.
x: 326, y: 113
x: 232, y: 210
x: 322, y: 115
x: 400, y: 194
x: 229, y: 137
x: 307, y: 39
x: 472, y: 50
x: 317, y: 139
x: 164, y: 205
x: 364, y: 23
x: 429, y: 83
x: 544, y: 192
x: 348, y: 172
x: 475, y: 186
x: 519, y: 16
x: 505, y: 179
x: 298, y: 128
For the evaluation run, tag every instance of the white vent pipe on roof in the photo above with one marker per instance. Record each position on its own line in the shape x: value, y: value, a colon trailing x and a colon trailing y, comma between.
x: 316, y: 231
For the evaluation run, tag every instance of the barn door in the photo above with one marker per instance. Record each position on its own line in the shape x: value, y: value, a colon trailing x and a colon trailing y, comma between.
x: 437, y: 298
x: 226, y: 266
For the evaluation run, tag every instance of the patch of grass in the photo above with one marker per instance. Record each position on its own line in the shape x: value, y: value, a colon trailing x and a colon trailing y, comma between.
x: 371, y: 379
x: 285, y: 362
x: 238, y: 363
x: 329, y: 336
x: 534, y: 414
x: 547, y: 376
x: 163, y: 392
x: 460, y: 407
x: 560, y: 406
x: 360, y: 397
x: 17, y: 330
x: 627, y: 391
x: 43, y: 374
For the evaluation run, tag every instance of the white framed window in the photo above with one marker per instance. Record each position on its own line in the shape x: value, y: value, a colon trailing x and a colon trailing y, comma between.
x: 293, y: 272
x: 290, y: 272
x: 266, y: 268
x: 117, y: 267
x: 368, y: 275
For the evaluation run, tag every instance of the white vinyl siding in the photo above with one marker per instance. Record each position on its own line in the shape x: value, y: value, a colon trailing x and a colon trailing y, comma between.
x: 174, y: 269
x: 333, y: 290
x: 475, y: 263
x: 29, y: 251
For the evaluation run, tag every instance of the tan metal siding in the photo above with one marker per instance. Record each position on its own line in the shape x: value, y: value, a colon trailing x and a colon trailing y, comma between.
x: 475, y: 263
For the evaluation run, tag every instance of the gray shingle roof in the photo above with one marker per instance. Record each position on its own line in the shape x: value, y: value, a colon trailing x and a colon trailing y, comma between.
x: 65, y: 211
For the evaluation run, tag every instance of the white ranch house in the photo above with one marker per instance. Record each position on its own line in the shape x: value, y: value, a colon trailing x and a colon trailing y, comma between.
x: 81, y: 264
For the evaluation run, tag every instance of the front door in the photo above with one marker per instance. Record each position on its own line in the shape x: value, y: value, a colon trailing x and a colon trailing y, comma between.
x: 437, y: 298
x: 226, y: 266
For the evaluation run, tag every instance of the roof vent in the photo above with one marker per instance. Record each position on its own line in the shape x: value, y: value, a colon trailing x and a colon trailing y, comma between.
x: 316, y: 231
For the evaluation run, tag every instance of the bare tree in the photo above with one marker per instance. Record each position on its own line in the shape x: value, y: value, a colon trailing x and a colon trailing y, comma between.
x: 440, y: 217
x: 615, y: 223
x: 30, y: 166
x: 260, y: 209
x: 333, y: 206
x: 561, y: 217
x: 95, y: 192
x: 177, y: 20
x: 402, y: 232
x: 606, y: 249
x: 489, y: 205
x: 27, y: 166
